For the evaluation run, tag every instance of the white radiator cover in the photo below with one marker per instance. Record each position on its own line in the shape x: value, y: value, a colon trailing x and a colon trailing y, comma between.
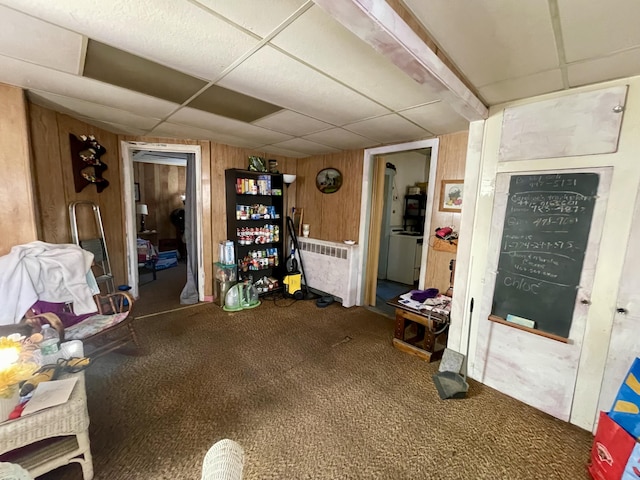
x: 331, y: 268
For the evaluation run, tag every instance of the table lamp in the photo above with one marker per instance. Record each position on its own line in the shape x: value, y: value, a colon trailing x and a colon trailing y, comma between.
x: 143, y: 210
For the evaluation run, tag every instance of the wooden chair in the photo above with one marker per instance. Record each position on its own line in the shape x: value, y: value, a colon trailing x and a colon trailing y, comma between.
x: 110, y: 328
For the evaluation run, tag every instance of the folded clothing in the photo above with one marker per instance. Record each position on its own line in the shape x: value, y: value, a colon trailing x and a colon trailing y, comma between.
x: 422, y: 295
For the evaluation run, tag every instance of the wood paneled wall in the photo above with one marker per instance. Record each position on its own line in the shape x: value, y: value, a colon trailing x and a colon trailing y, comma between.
x: 160, y: 188
x: 55, y: 190
x: 335, y: 216
x: 18, y: 212
x: 452, y: 155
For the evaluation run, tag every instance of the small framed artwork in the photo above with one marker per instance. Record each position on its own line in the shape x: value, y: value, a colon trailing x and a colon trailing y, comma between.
x: 451, y: 195
x: 329, y: 180
x: 136, y: 191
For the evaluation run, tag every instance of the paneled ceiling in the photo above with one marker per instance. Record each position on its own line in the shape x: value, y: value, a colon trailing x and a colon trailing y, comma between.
x: 285, y: 77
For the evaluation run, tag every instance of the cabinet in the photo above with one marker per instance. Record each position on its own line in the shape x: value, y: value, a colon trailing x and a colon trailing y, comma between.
x: 414, y: 211
x: 255, y: 223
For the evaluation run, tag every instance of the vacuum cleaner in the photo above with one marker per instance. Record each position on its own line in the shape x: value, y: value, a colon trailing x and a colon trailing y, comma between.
x: 293, y: 286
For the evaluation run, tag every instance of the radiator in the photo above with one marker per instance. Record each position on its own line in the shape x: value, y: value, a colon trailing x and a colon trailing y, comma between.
x: 331, y: 268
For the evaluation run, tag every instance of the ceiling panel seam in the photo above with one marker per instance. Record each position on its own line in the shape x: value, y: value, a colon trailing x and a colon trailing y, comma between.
x: 554, y: 13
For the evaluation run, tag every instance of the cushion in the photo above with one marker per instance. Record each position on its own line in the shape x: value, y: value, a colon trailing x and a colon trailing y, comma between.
x: 92, y: 325
x: 62, y: 310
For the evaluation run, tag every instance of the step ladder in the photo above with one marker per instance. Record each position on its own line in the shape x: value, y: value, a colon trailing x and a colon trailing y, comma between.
x: 98, y: 246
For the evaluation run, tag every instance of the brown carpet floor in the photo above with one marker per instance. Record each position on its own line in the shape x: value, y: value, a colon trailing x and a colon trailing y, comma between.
x: 310, y: 394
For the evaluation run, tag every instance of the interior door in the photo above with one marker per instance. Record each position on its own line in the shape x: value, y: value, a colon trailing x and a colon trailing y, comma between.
x: 624, y: 346
x: 536, y: 370
x: 375, y: 227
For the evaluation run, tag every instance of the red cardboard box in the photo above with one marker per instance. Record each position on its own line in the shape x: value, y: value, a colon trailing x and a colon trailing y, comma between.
x: 615, y: 454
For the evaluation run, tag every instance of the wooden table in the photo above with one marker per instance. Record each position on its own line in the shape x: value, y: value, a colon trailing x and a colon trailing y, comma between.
x: 427, y: 331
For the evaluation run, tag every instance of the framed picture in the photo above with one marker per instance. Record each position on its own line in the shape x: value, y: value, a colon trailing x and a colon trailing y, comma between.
x: 329, y: 180
x: 451, y: 195
x: 136, y: 191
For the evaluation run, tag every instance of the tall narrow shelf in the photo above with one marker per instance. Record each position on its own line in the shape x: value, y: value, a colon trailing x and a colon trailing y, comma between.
x: 414, y: 212
x: 255, y: 223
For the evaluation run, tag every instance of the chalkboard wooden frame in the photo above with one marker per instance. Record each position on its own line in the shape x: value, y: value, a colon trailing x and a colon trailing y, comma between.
x: 500, y: 198
x: 544, y: 240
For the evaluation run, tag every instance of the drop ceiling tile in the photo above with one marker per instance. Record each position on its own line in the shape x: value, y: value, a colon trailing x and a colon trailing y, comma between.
x: 491, y: 40
x: 315, y: 38
x: 35, y: 41
x: 95, y: 111
x: 176, y: 34
x: 388, y: 128
x: 222, y: 125
x: 342, y: 139
x: 117, y: 67
x: 113, y: 127
x: 293, y: 123
x: 276, y: 78
x: 523, y: 87
x: 244, y: 12
x: 625, y: 64
x: 173, y: 130
x: 437, y: 118
x: 305, y: 146
x: 222, y: 101
x: 593, y: 29
x: 29, y: 76
x: 283, y: 151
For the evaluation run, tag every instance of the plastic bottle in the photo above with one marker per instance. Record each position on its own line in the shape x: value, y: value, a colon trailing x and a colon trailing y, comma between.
x: 49, y: 346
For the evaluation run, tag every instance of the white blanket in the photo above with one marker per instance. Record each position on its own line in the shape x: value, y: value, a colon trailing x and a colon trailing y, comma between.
x: 44, y: 271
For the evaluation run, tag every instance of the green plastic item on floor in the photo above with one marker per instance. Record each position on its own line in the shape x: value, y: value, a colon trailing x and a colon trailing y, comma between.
x: 240, y: 297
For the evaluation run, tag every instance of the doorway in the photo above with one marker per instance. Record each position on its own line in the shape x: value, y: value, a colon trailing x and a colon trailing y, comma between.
x: 402, y: 227
x: 371, y: 235
x: 156, y: 228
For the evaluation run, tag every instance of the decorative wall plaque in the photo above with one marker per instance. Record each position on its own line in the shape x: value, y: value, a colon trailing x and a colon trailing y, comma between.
x: 87, y: 166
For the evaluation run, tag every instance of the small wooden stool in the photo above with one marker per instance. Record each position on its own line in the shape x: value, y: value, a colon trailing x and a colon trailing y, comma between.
x: 430, y: 339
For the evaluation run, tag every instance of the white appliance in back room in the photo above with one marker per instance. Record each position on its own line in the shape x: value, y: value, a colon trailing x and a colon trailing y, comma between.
x: 385, y: 231
x: 405, y: 254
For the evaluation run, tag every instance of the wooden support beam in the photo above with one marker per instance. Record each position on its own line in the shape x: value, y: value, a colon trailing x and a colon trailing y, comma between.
x: 377, y: 24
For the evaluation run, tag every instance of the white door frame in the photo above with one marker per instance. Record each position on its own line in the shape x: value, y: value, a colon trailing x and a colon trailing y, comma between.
x: 130, y: 206
x: 365, y: 203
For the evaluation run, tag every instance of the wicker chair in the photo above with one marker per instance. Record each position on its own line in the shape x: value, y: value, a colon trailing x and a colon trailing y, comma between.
x: 223, y: 461
x: 109, y: 329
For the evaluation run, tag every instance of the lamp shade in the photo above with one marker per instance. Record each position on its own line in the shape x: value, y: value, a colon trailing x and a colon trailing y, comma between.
x: 288, y: 178
x: 142, y: 209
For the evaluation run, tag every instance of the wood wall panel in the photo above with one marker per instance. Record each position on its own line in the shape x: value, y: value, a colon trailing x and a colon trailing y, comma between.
x: 53, y: 223
x: 160, y: 190
x: 452, y: 155
x: 109, y: 200
x: 308, y: 197
x: 19, y: 212
x: 341, y: 210
x: 336, y: 216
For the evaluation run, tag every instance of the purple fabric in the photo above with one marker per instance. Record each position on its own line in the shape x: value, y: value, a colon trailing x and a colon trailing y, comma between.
x: 61, y: 310
x: 422, y: 295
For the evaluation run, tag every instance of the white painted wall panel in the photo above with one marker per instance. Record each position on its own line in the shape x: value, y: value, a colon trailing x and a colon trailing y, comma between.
x: 579, y: 124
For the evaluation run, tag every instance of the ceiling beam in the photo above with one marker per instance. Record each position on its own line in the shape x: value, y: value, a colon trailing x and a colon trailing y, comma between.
x: 377, y: 24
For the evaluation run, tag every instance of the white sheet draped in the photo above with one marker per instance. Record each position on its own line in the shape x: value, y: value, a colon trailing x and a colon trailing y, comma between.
x: 44, y: 271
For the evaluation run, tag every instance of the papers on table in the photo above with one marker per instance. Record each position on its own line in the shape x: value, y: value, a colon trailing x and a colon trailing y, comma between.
x: 440, y: 304
x: 50, y: 394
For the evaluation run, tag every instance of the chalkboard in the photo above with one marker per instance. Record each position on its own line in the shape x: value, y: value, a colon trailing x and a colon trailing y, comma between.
x: 545, y: 234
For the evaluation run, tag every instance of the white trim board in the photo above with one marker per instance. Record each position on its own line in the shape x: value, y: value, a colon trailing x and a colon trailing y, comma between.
x: 365, y: 203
